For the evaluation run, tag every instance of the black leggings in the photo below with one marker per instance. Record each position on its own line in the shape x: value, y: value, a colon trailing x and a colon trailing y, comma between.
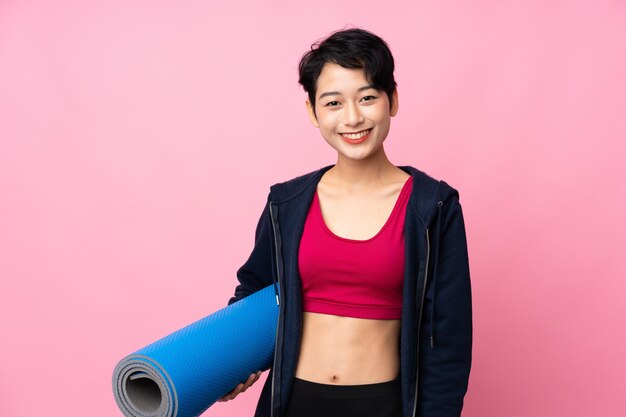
x: 311, y: 399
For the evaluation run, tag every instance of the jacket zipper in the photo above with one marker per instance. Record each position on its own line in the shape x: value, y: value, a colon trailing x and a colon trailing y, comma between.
x: 278, y: 300
x: 419, y: 322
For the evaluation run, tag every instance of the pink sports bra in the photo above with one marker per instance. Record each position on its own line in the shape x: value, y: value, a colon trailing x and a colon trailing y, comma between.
x: 355, y: 278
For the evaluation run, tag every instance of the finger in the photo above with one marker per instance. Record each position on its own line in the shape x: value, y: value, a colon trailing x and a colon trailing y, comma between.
x: 228, y: 396
x: 246, y: 385
x: 224, y: 397
x: 231, y: 395
x: 253, y: 378
x: 249, y: 381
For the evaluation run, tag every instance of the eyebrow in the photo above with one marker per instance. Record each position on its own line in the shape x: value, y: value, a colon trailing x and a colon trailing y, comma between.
x: 337, y: 93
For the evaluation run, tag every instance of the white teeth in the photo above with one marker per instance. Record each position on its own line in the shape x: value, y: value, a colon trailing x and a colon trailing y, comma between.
x: 355, y: 135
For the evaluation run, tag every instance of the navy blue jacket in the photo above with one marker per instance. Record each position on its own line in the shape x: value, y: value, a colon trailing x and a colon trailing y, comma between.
x: 436, y: 326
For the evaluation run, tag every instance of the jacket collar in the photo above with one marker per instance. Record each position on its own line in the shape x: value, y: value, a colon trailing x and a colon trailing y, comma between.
x: 425, y: 195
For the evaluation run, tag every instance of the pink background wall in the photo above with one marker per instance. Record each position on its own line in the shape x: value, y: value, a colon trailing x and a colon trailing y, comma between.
x: 121, y: 122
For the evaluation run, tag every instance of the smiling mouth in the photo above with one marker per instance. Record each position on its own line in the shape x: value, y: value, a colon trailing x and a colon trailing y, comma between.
x: 356, y: 135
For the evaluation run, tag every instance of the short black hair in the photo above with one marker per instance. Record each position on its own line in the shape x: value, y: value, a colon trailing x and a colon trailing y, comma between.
x: 350, y: 48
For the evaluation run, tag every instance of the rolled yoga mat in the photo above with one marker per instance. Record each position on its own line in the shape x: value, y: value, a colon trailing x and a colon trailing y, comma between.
x: 184, y: 373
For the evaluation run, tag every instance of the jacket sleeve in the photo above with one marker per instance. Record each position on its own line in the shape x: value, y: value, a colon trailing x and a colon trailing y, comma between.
x: 446, y: 342
x: 257, y: 272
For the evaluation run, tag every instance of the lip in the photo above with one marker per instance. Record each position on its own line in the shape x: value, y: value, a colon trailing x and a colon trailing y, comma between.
x: 356, y: 141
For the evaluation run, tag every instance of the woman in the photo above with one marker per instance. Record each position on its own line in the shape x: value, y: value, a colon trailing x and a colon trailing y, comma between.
x: 370, y: 258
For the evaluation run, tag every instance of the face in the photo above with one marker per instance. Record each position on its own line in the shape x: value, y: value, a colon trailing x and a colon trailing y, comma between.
x: 353, y: 116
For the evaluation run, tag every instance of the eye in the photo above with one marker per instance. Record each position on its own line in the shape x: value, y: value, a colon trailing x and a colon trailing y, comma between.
x: 368, y: 98
x: 332, y: 103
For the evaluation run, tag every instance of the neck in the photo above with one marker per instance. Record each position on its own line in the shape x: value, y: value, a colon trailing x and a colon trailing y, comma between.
x: 361, y: 173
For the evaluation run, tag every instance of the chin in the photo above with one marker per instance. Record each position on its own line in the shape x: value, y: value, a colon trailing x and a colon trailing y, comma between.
x: 359, y: 157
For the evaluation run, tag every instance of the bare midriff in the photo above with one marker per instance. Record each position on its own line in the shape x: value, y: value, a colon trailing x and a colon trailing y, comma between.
x: 347, y: 350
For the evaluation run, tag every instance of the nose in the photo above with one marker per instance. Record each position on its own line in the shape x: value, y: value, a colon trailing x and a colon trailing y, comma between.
x: 352, y: 115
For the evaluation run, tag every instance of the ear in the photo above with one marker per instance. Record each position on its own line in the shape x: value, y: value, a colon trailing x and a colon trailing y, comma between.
x: 312, y: 117
x: 395, y: 104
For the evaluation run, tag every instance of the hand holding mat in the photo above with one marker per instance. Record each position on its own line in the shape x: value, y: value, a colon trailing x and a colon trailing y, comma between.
x: 184, y: 373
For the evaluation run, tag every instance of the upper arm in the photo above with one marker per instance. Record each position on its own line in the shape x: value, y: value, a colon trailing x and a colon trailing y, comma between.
x: 257, y: 272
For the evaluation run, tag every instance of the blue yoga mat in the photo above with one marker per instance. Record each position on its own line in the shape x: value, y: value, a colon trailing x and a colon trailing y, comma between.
x: 184, y: 373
